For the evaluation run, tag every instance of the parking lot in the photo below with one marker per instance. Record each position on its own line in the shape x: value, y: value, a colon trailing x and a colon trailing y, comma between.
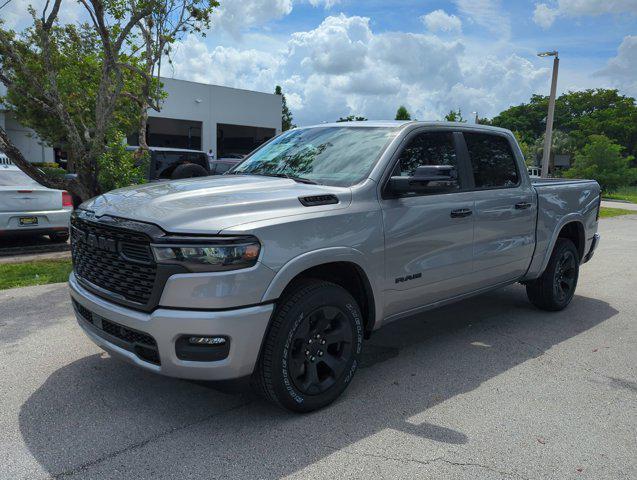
x: 488, y: 388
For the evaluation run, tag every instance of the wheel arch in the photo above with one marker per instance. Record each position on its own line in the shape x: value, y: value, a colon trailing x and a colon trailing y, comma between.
x: 340, y: 265
x: 571, y: 227
x: 574, y: 231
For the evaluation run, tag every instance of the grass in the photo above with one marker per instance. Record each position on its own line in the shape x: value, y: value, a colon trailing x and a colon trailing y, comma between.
x: 606, y: 212
x: 628, y: 194
x: 38, y: 272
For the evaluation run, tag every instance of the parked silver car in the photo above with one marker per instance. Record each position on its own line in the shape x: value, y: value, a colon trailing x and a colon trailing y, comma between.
x: 278, y: 270
x: 26, y: 207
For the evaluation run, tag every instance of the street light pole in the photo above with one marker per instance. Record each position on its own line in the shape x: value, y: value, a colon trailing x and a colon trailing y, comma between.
x: 546, y: 154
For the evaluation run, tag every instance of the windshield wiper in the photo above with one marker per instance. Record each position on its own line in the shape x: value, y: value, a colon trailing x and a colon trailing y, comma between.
x: 279, y: 175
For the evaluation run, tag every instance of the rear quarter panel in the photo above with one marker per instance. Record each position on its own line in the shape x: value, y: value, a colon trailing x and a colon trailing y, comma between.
x: 561, y: 202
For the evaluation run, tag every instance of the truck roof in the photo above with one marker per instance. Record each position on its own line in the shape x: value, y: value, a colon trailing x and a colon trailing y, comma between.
x: 404, y: 123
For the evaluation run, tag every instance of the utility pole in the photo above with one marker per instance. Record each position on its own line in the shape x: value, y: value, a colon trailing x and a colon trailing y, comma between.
x: 546, y: 154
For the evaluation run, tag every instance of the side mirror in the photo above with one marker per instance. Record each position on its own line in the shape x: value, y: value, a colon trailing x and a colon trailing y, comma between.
x: 426, y: 179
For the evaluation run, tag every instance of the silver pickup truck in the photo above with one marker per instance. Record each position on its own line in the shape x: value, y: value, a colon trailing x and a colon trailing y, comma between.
x: 278, y: 270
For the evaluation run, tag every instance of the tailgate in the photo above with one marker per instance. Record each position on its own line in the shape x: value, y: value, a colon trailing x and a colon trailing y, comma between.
x: 29, y: 199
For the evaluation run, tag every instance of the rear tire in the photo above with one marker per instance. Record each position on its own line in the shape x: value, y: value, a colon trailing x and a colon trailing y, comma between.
x: 312, y: 349
x: 554, y: 290
x: 59, y: 237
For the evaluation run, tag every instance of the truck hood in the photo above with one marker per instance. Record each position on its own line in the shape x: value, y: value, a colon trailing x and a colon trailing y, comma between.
x: 212, y: 204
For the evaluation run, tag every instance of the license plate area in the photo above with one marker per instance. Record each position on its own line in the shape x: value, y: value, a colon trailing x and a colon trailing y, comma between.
x: 28, y: 221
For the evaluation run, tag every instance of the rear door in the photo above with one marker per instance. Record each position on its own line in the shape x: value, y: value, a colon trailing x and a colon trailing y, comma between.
x: 505, y: 209
x: 428, y: 247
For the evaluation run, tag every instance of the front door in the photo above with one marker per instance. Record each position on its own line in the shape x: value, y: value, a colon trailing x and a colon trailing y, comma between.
x: 428, y: 237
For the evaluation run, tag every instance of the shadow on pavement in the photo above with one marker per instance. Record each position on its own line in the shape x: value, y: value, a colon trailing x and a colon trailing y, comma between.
x: 103, y: 416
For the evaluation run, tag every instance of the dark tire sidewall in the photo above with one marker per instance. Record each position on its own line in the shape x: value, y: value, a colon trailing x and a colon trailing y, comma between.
x: 282, y: 383
x: 563, y: 246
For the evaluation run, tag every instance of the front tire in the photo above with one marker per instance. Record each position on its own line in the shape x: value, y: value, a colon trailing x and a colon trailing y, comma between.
x: 312, y: 349
x: 554, y: 290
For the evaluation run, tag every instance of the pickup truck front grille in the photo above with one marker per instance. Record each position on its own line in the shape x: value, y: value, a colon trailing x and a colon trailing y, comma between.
x: 114, y: 262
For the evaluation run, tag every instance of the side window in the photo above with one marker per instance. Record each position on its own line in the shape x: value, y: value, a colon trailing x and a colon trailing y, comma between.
x: 426, y: 149
x: 429, y: 149
x: 492, y: 160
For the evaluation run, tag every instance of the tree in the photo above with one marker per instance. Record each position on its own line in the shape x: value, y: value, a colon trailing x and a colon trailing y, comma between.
x: 528, y: 152
x: 455, y: 116
x: 402, y: 113
x: 83, y: 87
x: 352, y: 118
x: 602, y: 160
x: 578, y: 114
x: 153, y: 37
x: 286, y: 114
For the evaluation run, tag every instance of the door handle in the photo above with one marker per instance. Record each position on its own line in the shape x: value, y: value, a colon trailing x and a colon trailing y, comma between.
x: 461, y: 212
x: 522, y: 205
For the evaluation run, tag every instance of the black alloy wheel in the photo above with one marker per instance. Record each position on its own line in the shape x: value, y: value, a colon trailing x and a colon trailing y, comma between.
x: 565, y: 277
x: 555, y: 288
x: 321, y: 348
x: 312, y: 348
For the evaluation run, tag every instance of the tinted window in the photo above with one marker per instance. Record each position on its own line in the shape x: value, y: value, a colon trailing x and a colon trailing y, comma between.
x: 492, y: 160
x: 426, y: 149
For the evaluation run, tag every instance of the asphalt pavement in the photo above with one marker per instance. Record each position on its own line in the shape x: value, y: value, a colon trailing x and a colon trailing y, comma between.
x: 490, y: 388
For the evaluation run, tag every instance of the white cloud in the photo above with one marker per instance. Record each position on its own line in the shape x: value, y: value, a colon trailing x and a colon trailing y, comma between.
x: 326, y: 3
x: 544, y: 15
x: 337, y: 46
x: 343, y: 67
x: 229, y: 66
x: 596, y: 7
x: 236, y: 15
x: 441, y: 21
x: 486, y: 13
x: 622, y: 69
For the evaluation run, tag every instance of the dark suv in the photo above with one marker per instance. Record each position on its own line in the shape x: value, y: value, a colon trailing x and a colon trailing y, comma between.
x: 176, y: 163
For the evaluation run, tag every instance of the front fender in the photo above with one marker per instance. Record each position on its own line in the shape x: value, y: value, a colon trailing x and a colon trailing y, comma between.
x: 322, y: 256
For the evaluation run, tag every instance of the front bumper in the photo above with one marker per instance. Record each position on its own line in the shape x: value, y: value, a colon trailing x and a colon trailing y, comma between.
x: 244, y: 327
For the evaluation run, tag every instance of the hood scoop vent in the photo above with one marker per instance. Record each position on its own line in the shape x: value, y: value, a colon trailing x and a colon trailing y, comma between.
x: 316, y: 200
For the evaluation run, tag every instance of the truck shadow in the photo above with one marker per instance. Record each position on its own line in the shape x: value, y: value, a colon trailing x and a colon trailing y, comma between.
x: 97, y: 412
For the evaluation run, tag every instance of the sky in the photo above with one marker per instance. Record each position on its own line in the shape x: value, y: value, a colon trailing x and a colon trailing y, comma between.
x: 334, y: 58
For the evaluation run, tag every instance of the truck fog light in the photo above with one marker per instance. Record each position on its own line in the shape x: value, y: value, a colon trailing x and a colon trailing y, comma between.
x: 202, y: 348
x: 207, y: 340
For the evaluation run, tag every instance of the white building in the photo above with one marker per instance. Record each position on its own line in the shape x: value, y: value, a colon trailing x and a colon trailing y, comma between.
x: 194, y: 115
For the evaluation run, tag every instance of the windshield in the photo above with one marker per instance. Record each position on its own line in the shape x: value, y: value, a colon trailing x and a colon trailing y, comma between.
x: 338, y: 156
x: 13, y: 178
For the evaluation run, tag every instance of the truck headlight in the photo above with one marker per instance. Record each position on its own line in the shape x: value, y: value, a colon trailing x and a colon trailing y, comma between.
x: 210, y: 255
